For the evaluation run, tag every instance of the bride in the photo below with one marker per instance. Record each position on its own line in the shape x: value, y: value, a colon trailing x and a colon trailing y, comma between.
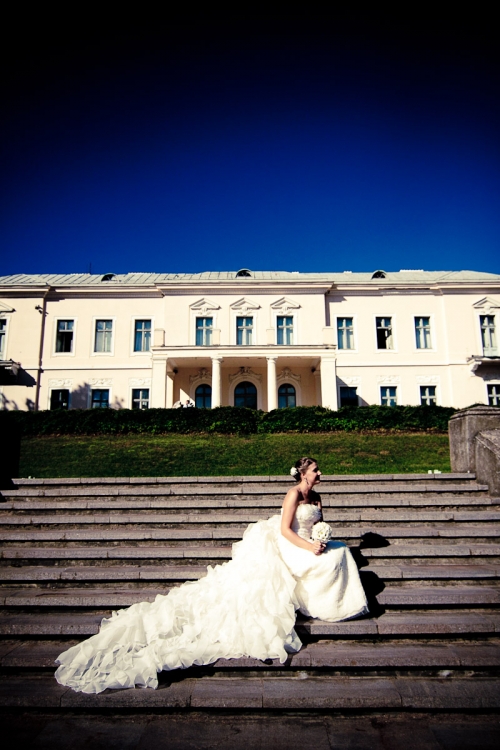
x: 245, y: 607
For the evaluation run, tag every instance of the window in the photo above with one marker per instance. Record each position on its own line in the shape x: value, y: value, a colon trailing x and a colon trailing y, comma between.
x: 142, y: 336
x: 64, y: 337
x: 285, y: 330
x: 244, y: 328
x: 59, y: 399
x: 428, y: 395
x: 100, y: 398
x: 103, y: 336
x: 384, y: 333
x: 245, y: 394
x: 423, y: 333
x: 3, y: 336
x: 140, y: 398
x: 345, y: 333
x: 494, y: 395
x: 204, y: 327
x: 388, y: 395
x: 203, y: 396
x: 286, y: 396
x: 488, y: 336
x: 348, y: 396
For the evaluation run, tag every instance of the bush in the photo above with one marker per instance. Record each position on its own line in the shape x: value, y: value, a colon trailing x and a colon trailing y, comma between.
x: 226, y: 420
x: 319, y: 419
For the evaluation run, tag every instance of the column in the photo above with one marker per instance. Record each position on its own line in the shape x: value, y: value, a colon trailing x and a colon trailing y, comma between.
x: 317, y: 386
x: 159, y: 384
x: 216, y: 382
x: 169, y: 400
x: 272, y: 390
x: 329, y: 382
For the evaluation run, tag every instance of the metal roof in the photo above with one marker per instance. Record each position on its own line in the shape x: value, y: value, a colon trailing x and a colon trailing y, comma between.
x: 152, y: 279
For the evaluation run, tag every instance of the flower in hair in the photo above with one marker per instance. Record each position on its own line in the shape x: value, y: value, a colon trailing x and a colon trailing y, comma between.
x: 294, y: 471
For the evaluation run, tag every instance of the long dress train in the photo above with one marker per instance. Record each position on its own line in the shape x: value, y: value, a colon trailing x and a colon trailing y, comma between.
x: 245, y: 607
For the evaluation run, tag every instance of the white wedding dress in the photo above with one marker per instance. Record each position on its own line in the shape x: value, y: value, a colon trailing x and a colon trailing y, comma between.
x: 245, y: 607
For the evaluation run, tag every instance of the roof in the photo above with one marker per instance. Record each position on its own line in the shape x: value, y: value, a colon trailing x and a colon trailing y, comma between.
x: 153, y: 279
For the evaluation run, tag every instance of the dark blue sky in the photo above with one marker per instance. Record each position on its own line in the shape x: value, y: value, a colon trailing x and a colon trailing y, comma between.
x: 298, y: 144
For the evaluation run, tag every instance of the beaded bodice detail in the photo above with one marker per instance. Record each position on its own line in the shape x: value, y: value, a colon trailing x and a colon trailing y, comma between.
x: 306, y: 516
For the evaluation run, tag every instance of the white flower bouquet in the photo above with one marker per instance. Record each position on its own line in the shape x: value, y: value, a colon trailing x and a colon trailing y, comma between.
x: 321, y: 532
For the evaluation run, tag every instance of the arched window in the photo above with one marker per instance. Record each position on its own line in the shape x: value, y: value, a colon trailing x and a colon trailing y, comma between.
x: 245, y: 394
x: 203, y: 396
x: 286, y: 396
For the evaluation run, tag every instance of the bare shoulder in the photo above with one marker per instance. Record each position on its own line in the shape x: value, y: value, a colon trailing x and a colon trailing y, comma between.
x: 292, y: 497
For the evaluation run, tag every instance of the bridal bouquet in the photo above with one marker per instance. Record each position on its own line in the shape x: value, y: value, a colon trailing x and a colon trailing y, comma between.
x: 321, y: 532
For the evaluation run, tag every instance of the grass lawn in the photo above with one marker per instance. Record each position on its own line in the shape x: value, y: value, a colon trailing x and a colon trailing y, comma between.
x: 216, y: 455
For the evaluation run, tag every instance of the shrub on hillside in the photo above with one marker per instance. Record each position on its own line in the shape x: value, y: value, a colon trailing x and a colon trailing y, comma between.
x: 226, y: 420
x: 319, y: 419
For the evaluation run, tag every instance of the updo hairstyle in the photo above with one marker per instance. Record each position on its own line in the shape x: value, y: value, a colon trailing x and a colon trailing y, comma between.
x: 301, y: 467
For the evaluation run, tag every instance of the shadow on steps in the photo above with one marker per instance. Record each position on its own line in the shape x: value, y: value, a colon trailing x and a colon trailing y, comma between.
x: 370, y: 581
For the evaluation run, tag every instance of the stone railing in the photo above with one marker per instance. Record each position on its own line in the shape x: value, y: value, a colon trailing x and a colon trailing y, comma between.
x: 475, y: 444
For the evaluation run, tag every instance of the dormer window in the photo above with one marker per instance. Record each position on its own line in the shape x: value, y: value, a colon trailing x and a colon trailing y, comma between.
x: 108, y: 277
x: 243, y: 273
x: 379, y: 275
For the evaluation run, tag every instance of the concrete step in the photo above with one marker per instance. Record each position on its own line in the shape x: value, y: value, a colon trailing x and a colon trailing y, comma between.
x: 409, y: 596
x: 364, y: 500
x: 321, y: 655
x: 133, y: 531
x: 256, y: 490
x: 284, y: 479
x: 136, y: 729
x: 154, y: 572
x: 42, y: 512
x: 433, y: 624
x: 208, y: 692
x: 25, y: 516
x: 114, y: 552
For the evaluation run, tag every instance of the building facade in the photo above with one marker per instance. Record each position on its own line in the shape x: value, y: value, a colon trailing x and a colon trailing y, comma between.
x: 261, y: 339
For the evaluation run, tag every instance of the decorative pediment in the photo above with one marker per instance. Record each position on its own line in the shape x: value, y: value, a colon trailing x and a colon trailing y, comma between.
x: 60, y: 383
x: 204, y: 306
x: 244, y: 305
x: 245, y: 372
x: 139, y: 382
x: 202, y: 376
x: 100, y: 382
x: 285, y: 305
x: 487, y: 304
x: 5, y: 308
x: 287, y: 376
x: 389, y: 379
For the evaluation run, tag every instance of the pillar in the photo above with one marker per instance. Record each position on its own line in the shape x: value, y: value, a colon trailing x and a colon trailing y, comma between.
x: 329, y: 382
x: 272, y: 389
x: 159, y: 384
x: 317, y: 386
x: 169, y: 400
x: 216, y: 382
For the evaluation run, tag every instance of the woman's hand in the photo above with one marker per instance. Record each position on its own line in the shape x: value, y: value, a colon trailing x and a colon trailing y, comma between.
x: 318, y: 547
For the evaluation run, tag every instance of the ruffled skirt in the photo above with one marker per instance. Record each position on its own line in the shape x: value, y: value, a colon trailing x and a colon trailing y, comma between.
x: 245, y: 607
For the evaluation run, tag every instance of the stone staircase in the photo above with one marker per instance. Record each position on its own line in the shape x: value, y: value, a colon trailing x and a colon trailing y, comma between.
x: 428, y: 548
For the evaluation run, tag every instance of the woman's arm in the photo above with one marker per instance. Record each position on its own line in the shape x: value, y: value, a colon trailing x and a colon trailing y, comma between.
x: 289, y: 507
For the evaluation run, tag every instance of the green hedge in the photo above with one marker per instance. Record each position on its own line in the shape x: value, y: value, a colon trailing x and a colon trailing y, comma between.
x: 226, y: 420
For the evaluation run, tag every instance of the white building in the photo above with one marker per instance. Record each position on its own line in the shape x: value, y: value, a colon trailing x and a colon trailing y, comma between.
x: 256, y: 338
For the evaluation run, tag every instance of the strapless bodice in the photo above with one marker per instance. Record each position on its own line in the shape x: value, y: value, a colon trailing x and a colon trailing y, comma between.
x: 306, y: 516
